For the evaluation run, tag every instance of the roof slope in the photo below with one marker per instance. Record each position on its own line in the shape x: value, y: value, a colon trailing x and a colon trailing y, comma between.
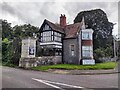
x: 72, y: 30
x: 55, y: 26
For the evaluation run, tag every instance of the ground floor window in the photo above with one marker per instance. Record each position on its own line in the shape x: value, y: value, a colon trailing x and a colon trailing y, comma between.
x: 51, y: 52
x: 72, y: 48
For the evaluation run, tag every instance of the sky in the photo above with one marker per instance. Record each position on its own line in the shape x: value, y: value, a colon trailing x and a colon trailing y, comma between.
x: 35, y: 11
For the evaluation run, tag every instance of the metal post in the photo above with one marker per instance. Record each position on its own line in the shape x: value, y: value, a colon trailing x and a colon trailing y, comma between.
x: 114, y: 48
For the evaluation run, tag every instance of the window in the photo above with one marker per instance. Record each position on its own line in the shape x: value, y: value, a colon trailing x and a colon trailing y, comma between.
x: 57, y: 36
x: 72, y: 47
x: 46, y: 27
x: 46, y: 36
x: 86, y: 35
x: 86, y: 51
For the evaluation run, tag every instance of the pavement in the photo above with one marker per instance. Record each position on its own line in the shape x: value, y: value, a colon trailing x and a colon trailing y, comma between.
x: 83, y: 72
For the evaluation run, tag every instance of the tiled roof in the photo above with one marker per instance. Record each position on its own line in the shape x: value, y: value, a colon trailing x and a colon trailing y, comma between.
x: 55, y: 26
x: 72, y: 30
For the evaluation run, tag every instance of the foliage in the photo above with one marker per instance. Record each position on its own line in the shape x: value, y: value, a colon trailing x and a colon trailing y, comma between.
x: 97, y: 20
x: 11, y: 41
x: 107, y: 65
x: 108, y: 51
x: 6, y: 51
x: 102, y: 36
x: 16, y: 44
x: 25, y: 30
x: 101, y: 52
x: 6, y: 30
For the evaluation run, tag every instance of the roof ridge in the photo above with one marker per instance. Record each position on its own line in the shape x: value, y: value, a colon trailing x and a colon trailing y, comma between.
x: 54, y: 26
x: 74, y: 23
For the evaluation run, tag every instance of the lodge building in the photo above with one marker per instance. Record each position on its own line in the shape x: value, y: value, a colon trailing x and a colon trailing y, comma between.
x: 72, y: 43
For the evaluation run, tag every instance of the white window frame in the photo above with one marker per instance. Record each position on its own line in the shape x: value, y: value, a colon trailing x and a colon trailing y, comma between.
x: 86, y: 35
x: 46, y: 36
x: 87, y: 51
x: 57, y: 37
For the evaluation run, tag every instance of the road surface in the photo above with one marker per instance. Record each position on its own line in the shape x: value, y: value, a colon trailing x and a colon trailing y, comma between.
x: 18, y: 78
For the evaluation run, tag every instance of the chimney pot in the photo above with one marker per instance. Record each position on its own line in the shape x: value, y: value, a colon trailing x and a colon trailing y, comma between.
x: 63, y: 20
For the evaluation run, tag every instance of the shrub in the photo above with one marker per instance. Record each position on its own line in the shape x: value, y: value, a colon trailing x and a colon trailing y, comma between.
x: 6, y: 51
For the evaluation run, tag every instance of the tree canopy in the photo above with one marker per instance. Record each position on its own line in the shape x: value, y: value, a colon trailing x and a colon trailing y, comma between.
x: 11, y: 40
x: 98, y: 21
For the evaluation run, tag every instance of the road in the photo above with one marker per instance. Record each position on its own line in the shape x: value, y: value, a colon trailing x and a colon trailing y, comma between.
x: 19, y: 78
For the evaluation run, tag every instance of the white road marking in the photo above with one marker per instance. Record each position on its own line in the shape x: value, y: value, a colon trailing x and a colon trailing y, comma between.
x: 42, y: 81
x: 73, y: 86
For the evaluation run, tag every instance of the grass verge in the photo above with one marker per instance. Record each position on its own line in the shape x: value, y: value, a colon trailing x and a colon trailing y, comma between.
x: 98, y: 66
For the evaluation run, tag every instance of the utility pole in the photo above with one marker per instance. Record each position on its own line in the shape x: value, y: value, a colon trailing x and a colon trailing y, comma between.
x: 114, y: 47
x: 115, y: 41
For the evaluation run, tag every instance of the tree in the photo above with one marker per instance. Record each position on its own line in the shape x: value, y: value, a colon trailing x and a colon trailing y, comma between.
x: 97, y: 20
x: 6, y: 30
x: 25, y: 30
x: 7, y: 52
x: 16, y: 45
x: 11, y: 40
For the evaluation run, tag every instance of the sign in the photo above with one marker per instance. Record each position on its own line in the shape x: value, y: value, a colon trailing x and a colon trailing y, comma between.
x: 88, y: 62
x: 31, y: 50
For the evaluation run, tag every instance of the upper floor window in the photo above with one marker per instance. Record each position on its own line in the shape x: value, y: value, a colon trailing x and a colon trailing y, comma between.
x: 57, y: 36
x: 46, y: 27
x: 50, y: 36
x: 46, y: 36
x: 86, y: 35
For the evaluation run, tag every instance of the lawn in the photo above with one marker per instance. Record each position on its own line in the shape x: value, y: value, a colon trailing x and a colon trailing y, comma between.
x: 98, y: 66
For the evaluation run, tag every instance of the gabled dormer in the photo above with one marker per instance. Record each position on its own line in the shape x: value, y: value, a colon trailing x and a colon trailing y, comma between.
x: 45, y: 27
x: 50, y: 32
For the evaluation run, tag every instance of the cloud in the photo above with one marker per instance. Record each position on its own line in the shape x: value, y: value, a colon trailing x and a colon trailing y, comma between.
x: 35, y: 12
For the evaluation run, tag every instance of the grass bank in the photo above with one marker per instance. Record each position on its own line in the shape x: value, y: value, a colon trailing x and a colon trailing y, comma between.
x: 98, y: 66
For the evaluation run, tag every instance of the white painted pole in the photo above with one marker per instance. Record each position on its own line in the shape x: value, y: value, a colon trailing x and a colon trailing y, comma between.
x: 114, y: 48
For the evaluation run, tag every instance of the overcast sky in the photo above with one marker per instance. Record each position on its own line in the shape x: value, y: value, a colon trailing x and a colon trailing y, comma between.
x: 34, y: 11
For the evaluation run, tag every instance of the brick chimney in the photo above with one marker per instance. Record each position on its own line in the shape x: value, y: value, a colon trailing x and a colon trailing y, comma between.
x: 62, y: 20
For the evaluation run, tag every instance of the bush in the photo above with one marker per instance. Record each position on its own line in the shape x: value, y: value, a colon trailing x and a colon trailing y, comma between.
x: 101, y: 53
x: 98, y: 53
x: 6, y: 51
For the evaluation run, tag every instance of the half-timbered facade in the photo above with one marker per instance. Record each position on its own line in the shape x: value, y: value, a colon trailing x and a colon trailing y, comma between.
x: 51, y: 39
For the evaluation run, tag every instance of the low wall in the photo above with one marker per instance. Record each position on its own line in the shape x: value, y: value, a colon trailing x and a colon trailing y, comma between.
x: 37, y: 61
